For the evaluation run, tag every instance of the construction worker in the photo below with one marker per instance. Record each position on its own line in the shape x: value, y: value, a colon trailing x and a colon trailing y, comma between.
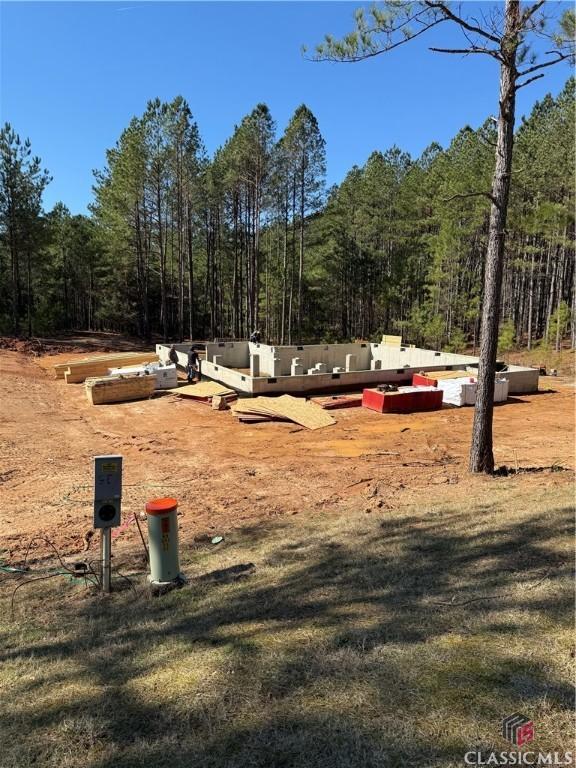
x: 173, y: 355
x: 193, y: 367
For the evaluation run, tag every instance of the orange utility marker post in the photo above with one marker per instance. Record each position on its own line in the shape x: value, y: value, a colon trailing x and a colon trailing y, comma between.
x: 162, y: 517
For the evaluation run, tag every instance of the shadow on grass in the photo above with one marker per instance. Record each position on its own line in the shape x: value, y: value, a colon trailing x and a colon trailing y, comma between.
x: 340, y: 648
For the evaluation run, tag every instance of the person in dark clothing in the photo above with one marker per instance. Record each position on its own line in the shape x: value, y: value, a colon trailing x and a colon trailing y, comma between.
x: 255, y: 338
x: 173, y: 355
x: 193, y: 368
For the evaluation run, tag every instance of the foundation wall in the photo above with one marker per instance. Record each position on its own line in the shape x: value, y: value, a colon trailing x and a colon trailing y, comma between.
x: 521, y: 380
x: 369, y: 364
x: 398, y: 357
x: 277, y: 361
x: 233, y: 354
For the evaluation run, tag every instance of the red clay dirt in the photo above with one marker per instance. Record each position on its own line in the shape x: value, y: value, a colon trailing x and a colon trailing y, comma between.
x: 228, y: 475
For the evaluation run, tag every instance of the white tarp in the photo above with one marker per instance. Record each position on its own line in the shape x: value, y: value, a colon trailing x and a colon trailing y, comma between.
x: 166, y: 375
x: 463, y: 391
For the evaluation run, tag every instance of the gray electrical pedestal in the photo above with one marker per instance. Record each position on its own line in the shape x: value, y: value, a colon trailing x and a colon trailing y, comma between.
x: 107, y: 505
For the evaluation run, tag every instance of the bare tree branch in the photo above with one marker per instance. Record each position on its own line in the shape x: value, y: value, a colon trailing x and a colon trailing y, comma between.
x: 466, y: 51
x: 529, y: 12
x: 530, y: 80
x: 561, y: 57
x: 459, y: 20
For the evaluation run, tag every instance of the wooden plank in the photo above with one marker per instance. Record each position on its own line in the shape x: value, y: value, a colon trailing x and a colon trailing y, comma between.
x: 392, y: 341
x: 338, y: 401
x: 117, y: 389
x: 79, y: 372
x: 106, y: 363
x: 446, y: 374
x: 60, y: 368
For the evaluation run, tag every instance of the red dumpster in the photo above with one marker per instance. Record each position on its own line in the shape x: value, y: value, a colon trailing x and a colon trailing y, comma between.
x: 407, y: 400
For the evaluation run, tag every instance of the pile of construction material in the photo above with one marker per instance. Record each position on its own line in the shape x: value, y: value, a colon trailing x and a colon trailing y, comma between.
x: 284, y: 408
x: 119, y: 389
x: 458, y: 387
x: 332, y: 402
x: 206, y: 391
x: 77, y: 371
x: 431, y: 378
x: 165, y: 376
x: 462, y: 391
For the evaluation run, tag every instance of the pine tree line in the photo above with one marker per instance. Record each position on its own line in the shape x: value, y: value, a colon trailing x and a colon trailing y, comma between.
x: 181, y: 245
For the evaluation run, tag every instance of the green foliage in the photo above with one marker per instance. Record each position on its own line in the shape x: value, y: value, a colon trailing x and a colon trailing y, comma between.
x: 506, y: 336
x: 181, y: 245
x: 457, y: 341
x: 559, y: 322
x: 22, y: 230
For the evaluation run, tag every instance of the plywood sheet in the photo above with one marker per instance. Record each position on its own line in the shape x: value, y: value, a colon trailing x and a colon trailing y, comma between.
x: 203, y: 390
x: 286, y: 407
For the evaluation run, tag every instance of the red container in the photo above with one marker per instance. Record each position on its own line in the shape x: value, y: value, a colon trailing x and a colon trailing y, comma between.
x: 421, y: 380
x: 402, y: 402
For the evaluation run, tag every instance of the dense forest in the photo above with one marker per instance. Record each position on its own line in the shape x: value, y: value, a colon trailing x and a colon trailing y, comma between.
x: 181, y: 245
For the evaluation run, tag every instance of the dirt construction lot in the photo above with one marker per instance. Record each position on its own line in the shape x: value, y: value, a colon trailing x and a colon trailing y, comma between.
x: 228, y: 475
x: 371, y: 605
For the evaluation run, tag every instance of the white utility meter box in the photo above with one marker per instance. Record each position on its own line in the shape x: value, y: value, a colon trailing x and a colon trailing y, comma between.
x: 107, y: 491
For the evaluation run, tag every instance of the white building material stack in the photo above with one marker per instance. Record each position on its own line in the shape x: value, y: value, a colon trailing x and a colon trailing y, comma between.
x: 463, y: 391
x: 166, y: 375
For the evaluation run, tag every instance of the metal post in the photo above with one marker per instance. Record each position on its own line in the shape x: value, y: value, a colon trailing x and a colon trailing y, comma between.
x: 105, y: 552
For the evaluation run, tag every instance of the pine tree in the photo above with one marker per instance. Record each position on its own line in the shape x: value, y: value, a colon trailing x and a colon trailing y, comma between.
x: 22, y: 182
x: 505, y: 39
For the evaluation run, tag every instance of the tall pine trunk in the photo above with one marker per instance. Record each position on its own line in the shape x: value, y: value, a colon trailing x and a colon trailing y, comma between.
x: 481, y: 451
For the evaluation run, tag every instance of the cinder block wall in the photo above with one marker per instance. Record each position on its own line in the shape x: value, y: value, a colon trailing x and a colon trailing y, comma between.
x: 234, y: 354
x: 398, y: 357
x: 332, y: 355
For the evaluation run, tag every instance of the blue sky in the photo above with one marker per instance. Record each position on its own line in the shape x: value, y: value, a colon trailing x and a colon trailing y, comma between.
x: 74, y: 73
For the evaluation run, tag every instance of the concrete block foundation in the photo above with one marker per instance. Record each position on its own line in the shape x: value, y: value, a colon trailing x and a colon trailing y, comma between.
x: 331, y: 367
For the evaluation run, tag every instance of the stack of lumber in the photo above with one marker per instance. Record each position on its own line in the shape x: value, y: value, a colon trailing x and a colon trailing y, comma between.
x: 431, y: 378
x: 204, y: 391
x: 77, y: 371
x: 284, y: 408
x: 338, y: 401
x: 119, y: 389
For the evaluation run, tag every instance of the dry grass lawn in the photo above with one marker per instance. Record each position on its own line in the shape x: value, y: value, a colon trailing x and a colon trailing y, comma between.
x: 354, y: 642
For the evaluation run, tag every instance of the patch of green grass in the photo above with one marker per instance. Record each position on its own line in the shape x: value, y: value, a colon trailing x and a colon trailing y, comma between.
x: 356, y: 641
